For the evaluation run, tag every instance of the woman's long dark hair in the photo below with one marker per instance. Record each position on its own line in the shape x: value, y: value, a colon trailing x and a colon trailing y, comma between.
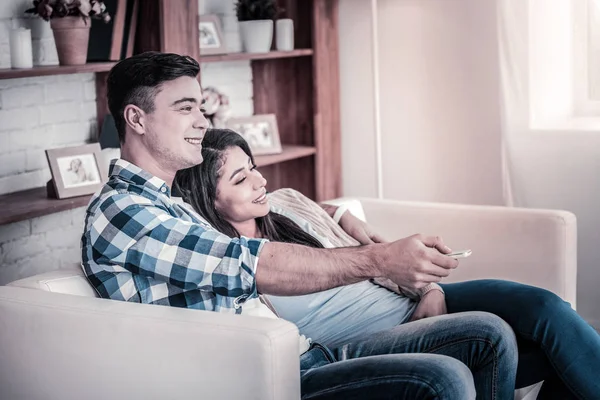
x: 198, y: 187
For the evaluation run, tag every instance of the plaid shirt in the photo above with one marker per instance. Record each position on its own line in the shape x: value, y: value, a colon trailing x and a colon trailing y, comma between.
x: 139, y: 245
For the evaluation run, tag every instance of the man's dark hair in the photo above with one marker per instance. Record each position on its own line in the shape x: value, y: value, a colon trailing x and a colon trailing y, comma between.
x: 137, y: 80
x: 198, y: 187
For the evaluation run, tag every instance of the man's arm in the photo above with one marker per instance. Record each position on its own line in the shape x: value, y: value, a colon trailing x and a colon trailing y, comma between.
x: 287, y: 269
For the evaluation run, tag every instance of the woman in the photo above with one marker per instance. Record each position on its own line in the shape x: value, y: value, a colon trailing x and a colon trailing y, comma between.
x: 555, y: 344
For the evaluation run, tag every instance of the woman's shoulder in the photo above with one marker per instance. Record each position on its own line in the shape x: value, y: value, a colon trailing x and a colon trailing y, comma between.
x: 287, y: 194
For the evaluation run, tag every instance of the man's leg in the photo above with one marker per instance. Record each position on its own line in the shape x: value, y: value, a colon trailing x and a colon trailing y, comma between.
x: 569, y: 346
x: 394, y: 376
x: 481, y: 341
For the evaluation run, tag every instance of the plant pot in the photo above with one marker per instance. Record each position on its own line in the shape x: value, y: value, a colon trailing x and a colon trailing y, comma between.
x: 71, y: 35
x: 257, y: 36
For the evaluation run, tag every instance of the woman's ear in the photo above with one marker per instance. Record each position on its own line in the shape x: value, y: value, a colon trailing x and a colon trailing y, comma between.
x: 135, y: 118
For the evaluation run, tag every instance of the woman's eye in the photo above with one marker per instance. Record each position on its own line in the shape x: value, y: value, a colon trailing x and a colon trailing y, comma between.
x: 253, y: 168
x: 187, y: 108
x: 240, y: 181
x: 203, y: 110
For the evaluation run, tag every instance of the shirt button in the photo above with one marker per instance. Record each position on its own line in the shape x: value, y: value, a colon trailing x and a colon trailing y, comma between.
x: 163, y: 189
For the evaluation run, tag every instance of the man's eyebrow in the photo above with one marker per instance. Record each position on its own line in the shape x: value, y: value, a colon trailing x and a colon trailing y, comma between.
x: 184, y: 100
x: 238, y: 170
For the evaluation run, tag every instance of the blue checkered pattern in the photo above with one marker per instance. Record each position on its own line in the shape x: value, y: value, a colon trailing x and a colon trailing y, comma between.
x: 139, y: 245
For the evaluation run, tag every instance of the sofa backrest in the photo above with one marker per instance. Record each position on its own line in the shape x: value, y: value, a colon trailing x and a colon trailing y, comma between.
x: 67, y: 281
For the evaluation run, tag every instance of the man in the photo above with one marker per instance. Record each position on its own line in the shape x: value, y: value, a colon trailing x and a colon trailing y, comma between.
x: 139, y: 245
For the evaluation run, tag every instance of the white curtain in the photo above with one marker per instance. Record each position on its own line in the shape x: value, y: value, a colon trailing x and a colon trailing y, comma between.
x: 513, y: 41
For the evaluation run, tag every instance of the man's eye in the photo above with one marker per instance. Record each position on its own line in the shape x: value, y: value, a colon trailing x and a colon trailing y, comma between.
x: 186, y: 108
x: 253, y: 167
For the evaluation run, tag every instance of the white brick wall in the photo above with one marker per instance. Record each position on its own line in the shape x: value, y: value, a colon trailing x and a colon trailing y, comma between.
x: 55, y: 111
x: 37, y: 114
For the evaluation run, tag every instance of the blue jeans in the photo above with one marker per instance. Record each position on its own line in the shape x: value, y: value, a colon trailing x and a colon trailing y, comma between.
x: 466, y: 353
x: 555, y: 344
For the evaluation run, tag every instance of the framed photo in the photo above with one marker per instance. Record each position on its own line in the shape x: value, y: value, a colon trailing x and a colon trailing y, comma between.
x: 211, y: 35
x: 76, y: 171
x: 260, y: 131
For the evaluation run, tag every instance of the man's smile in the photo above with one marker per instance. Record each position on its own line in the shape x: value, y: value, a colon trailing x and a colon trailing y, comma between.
x: 194, y: 141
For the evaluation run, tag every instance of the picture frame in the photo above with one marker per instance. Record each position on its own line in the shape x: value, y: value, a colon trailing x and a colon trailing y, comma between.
x: 76, y: 171
x: 260, y: 131
x: 210, y: 35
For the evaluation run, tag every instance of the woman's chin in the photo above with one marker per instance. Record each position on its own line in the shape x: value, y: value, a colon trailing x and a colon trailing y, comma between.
x: 262, y: 210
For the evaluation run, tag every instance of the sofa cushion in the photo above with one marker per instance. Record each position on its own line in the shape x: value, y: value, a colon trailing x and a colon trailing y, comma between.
x: 67, y: 281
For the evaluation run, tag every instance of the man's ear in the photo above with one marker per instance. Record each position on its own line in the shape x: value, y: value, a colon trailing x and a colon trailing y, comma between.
x: 135, y: 118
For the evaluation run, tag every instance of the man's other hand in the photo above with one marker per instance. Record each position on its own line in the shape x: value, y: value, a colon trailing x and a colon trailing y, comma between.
x: 359, y: 229
x: 431, y: 305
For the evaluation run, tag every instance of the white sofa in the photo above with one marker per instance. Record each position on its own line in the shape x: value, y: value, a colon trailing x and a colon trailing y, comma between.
x: 58, y: 341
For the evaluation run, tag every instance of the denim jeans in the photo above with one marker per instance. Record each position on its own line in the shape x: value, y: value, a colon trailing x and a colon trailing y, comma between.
x: 466, y: 353
x: 555, y: 344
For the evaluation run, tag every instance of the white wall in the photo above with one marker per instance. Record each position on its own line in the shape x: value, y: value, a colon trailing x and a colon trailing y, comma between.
x: 439, y: 109
x: 55, y: 111
x: 441, y: 125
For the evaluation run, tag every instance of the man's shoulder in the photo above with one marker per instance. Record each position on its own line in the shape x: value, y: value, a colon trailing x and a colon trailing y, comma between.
x: 122, y: 195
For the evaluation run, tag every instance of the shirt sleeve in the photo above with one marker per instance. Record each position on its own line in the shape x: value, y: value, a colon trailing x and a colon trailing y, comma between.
x: 131, y: 232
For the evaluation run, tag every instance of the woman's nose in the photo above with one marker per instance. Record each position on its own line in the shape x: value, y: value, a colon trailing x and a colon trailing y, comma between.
x: 259, y: 182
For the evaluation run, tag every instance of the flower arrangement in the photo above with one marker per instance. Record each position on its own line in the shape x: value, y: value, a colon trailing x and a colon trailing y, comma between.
x: 48, y: 9
x: 252, y: 10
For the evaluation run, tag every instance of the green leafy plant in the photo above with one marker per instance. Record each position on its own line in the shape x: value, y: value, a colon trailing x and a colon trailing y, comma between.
x: 48, y: 9
x: 251, y: 10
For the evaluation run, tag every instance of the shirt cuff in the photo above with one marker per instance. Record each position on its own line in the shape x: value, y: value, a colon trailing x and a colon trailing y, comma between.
x: 339, y: 212
x: 426, y: 289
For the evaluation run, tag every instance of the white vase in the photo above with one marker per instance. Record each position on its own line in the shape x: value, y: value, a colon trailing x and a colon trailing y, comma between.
x: 257, y: 36
x: 284, y: 40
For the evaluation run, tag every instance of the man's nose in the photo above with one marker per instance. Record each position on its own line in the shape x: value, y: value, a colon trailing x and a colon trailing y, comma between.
x: 201, y: 122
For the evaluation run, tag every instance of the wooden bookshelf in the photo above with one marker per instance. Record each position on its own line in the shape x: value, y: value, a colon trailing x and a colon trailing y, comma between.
x: 9, y: 73
x: 252, y: 56
x: 301, y: 87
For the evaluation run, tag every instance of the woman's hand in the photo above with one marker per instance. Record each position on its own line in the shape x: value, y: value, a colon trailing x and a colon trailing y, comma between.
x: 359, y: 229
x: 431, y: 305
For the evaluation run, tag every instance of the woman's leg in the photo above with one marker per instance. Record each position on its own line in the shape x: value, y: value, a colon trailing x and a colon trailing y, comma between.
x: 570, y: 345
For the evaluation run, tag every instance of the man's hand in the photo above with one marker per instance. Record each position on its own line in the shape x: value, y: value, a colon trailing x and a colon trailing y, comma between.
x: 359, y: 229
x: 415, y: 261
x: 431, y: 305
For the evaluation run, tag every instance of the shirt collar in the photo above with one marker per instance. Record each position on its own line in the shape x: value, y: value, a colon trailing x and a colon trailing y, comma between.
x: 129, y: 172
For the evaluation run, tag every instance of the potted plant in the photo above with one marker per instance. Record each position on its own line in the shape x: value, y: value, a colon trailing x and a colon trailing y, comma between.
x: 256, y: 24
x: 70, y: 23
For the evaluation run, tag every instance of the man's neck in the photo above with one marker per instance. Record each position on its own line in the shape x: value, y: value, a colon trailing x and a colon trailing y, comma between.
x: 148, y: 164
x: 248, y: 228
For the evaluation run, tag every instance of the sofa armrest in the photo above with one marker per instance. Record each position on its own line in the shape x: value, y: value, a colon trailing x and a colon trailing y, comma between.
x: 71, y: 347
x: 531, y: 246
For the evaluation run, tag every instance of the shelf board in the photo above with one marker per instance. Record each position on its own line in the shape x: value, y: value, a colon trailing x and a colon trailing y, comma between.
x: 9, y: 73
x: 34, y: 203
x: 290, y: 152
x: 256, y: 56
